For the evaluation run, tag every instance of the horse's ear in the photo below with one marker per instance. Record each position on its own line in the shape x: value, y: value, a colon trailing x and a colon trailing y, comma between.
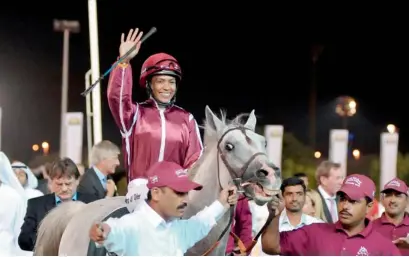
x: 213, y: 121
x: 251, y: 121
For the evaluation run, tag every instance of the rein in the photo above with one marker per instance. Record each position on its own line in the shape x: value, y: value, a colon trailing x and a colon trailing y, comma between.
x: 237, y: 179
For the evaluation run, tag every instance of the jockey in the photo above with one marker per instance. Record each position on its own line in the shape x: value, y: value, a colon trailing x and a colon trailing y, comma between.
x: 155, y: 229
x: 155, y: 130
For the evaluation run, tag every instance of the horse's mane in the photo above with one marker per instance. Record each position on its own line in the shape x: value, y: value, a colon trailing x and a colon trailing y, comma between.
x: 211, y: 137
x: 210, y: 134
x: 52, y: 227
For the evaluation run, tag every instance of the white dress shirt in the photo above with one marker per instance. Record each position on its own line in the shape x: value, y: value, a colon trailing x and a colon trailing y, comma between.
x: 330, y: 201
x: 285, y: 225
x: 144, y: 232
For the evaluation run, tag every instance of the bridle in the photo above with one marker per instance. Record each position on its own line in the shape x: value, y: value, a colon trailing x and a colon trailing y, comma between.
x: 238, y: 180
x: 233, y: 173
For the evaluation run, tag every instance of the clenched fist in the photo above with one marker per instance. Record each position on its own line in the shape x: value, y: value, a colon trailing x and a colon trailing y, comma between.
x: 228, y: 196
x: 276, y: 205
x: 98, y: 232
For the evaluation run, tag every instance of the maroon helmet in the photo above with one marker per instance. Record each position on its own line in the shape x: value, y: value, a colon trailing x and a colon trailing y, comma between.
x: 159, y: 64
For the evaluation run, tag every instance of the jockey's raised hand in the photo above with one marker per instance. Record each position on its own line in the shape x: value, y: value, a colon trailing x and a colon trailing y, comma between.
x: 98, y: 232
x: 133, y: 38
x: 228, y: 196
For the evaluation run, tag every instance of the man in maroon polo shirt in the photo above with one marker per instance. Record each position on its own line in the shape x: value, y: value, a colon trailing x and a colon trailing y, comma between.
x: 352, y: 234
x: 394, y: 222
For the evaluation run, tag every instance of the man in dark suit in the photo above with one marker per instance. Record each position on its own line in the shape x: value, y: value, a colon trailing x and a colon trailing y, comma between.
x: 329, y: 178
x: 63, y: 179
x: 97, y: 180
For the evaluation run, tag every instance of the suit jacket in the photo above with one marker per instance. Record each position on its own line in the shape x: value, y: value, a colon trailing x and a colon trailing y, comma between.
x: 91, y: 184
x: 37, y: 209
x: 327, y: 213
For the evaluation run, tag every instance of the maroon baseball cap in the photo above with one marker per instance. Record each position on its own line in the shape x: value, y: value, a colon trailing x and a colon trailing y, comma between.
x: 358, y: 186
x: 170, y: 174
x: 396, y: 185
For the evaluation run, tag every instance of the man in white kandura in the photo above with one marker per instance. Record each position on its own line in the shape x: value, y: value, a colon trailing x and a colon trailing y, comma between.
x: 12, y: 209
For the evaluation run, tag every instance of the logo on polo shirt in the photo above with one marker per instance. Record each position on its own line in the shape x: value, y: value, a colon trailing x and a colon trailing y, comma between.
x: 181, y: 173
x: 154, y: 179
x: 362, y: 252
x: 394, y: 183
x: 353, y: 181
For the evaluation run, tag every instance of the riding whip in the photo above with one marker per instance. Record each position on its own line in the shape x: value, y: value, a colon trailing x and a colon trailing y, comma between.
x: 144, y: 38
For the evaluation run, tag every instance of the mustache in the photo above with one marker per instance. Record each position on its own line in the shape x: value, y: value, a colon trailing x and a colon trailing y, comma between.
x: 182, y: 206
x: 345, y: 213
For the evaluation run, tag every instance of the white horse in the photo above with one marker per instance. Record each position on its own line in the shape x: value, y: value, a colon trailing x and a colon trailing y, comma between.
x: 232, y: 151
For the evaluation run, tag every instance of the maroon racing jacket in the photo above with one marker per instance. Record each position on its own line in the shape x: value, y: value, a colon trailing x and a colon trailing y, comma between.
x: 242, y: 225
x: 150, y: 134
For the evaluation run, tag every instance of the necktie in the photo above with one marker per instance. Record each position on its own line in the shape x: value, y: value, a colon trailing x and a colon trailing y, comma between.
x: 104, y: 183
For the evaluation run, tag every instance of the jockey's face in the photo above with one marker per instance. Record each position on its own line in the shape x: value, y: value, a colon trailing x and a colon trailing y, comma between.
x: 64, y: 187
x: 163, y: 88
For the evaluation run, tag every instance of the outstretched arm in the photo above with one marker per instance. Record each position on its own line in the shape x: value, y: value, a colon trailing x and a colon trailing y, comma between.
x: 114, y: 235
x: 197, y: 227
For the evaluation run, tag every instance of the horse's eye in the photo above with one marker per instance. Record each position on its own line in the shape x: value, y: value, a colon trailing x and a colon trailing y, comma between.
x: 229, y: 147
x: 265, y: 144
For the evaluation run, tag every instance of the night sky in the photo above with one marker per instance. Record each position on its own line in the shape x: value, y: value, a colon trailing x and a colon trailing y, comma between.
x: 237, y: 57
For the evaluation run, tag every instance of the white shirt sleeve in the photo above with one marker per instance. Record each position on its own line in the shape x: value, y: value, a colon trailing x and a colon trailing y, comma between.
x: 117, y: 238
x: 197, y: 227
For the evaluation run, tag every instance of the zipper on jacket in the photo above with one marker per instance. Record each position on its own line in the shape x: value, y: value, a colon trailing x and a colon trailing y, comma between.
x: 163, y: 137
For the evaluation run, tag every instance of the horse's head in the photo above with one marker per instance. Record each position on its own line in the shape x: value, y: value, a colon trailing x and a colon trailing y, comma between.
x: 243, y: 153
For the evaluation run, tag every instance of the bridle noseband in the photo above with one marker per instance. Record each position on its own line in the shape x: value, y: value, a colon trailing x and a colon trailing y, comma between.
x: 236, y: 176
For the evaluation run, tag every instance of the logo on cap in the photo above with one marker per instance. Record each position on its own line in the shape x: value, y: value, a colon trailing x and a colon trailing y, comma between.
x: 394, y: 183
x: 353, y: 181
x: 154, y: 179
x: 181, y: 173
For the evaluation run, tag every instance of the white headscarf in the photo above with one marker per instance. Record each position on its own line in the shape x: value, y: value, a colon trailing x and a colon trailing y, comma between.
x: 8, y: 178
x: 7, y: 175
x: 32, y: 181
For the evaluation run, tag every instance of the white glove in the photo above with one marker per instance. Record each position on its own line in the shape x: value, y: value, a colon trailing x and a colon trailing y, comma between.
x: 137, y: 193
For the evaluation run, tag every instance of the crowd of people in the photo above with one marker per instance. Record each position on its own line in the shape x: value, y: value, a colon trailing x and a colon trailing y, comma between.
x: 160, y: 142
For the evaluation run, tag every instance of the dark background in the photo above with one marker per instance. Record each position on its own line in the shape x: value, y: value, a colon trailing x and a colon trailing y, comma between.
x: 237, y: 57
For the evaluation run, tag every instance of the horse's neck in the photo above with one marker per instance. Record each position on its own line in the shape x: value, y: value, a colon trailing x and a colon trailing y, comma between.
x: 206, y: 175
